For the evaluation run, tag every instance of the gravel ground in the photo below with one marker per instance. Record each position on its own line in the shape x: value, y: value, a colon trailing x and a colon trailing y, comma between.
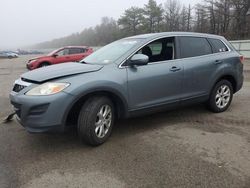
x: 189, y: 147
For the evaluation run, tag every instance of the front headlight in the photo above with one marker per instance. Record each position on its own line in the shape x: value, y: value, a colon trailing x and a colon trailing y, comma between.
x: 48, y: 88
x: 31, y: 61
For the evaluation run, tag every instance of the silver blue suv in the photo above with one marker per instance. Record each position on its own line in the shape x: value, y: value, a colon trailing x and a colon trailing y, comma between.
x: 129, y: 77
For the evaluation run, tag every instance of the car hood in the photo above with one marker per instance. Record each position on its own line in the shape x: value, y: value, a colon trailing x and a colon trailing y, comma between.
x: 39, y: 57
x: 57, y: 71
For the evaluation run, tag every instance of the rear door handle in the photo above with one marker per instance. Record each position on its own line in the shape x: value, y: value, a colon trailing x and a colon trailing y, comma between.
x: 218, y: 62
x: 175, y: 69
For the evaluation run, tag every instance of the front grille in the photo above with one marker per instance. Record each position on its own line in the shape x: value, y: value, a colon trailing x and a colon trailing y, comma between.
x: 17, y: 88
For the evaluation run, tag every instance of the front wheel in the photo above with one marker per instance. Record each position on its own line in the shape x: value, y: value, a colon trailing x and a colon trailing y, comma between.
x: 45, y: 64
x: 96, y: 120
x: 221, y: 96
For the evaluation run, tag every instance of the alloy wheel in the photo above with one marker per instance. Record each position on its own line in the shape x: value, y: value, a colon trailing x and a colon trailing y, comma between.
x: 103, y: 121
x: 222, y: 96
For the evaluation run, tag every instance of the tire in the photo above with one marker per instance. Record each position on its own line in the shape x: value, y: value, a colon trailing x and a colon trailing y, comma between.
x: 93, y: 128
x: 45, y: 64
x: 221, y: 96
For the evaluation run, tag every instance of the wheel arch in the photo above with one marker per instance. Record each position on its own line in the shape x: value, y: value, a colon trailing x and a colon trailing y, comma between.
x: 118, y: 100
x: 42, y: 62
x: 230, y: 78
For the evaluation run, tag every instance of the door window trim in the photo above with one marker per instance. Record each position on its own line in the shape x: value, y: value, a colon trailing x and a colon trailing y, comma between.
x: 121, y: 66
x: 228, y: 49
x: 157, y: 62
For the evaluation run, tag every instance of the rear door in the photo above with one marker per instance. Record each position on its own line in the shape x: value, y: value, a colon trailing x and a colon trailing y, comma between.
x: 76, y: 54
x: 199, y: 66
x: 159, y: 82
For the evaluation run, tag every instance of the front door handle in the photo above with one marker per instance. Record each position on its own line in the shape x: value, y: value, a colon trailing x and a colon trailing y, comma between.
x: 175, y: 69
x: 218, y: 61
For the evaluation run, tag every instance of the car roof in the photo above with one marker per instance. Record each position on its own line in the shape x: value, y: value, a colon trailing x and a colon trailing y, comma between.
x: 75, y: 47
x: 169, y: 34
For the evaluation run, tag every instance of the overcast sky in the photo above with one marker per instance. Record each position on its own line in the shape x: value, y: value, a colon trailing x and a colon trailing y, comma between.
x: 25, y: 22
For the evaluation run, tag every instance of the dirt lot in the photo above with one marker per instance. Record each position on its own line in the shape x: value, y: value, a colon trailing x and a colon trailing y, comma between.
x: 191, y: 147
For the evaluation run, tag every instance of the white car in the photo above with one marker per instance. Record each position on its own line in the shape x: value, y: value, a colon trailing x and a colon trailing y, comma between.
x: 8, y: 55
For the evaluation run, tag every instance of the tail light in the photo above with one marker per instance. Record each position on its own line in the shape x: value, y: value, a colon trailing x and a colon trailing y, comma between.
x: 242, y: 59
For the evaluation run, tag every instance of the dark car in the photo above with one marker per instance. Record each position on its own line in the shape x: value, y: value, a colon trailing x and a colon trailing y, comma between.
x: 62, y: 55
x: 129, y: 77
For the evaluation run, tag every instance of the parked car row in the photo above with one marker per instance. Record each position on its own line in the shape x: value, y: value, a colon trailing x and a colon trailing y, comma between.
x: 28, y: 52
x: 62, y: 55
x: 17, y: 53
x: 8, y: 54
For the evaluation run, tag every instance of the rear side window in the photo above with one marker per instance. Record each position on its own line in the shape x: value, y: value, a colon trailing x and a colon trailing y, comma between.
x: 218, y: 45
x: 194, y: 46
x: 76, y: 50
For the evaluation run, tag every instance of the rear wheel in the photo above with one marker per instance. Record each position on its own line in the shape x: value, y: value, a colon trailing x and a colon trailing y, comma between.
x: 96, y: 120
x: 221, y: 96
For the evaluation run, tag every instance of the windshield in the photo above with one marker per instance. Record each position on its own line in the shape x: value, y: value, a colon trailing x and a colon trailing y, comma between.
x: 53, y: 52
x: 111, y: 52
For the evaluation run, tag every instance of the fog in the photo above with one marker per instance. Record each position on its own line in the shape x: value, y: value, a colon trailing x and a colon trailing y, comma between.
x: 26, y: 22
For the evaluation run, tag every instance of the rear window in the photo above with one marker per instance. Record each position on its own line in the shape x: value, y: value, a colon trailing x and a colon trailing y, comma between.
x: 218, y: 45
x: 194, y: 46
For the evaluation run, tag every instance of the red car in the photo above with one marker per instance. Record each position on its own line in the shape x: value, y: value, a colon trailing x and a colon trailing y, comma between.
x: 62, y: 55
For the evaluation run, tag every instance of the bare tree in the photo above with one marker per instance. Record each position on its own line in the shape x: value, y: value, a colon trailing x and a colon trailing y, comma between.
x: 172, y: 15
x: 201, y: 22
x: 241, y: 10
x: 189, y: 18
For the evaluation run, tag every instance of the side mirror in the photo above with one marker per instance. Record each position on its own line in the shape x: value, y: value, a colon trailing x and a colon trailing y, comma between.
x: 138, y: 59
x: 54, y: 55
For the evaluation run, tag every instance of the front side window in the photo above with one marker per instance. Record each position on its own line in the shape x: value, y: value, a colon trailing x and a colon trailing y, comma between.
x: 156, y: 48
x: 218, y: 45
x: 159, y: 50
x: 63, y: 52
x: 194, y: 46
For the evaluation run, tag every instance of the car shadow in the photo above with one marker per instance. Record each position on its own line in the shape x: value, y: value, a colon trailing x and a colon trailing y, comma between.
x: 122, y: 129
x: 160, y: 119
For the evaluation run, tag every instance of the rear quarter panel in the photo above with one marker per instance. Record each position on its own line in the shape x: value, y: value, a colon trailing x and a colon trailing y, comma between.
x: 231, y: 66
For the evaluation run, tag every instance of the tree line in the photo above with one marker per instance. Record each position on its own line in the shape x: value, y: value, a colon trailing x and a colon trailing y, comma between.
x: 229, y: 18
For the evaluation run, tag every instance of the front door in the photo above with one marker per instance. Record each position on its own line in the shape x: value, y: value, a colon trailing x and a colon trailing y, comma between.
x: 62, y: 56
x: 160, y: 81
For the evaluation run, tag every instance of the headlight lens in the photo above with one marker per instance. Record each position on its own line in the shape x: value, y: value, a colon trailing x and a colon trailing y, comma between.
x: 31, y: 61
x: 48, y: 88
